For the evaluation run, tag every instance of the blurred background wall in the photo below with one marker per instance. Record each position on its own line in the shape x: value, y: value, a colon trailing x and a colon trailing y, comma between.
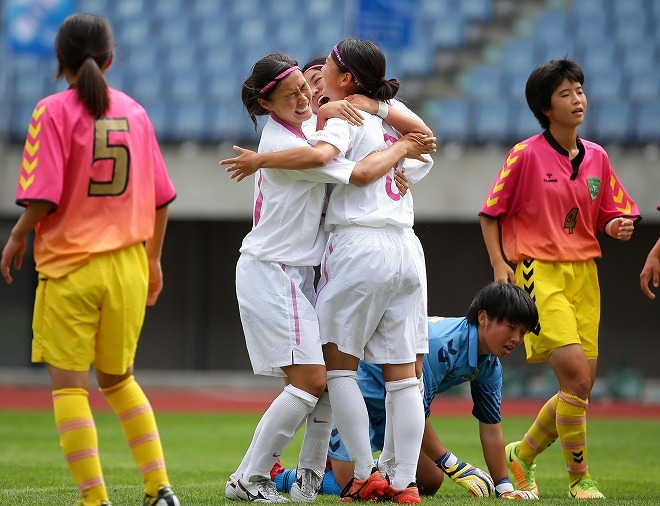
x: 463, y: 66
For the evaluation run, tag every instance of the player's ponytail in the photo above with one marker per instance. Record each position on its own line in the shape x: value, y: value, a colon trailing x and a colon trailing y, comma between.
x: 263, y: 80
x: 365, y: 61
x: 84, y: 47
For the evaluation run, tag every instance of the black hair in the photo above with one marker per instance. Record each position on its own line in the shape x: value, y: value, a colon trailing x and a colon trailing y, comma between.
x: 317, y: 60
x: 263, y: 73
x: 543, y: 81
x: 504, y: 301
x: 365, y: 61
x: 84, y: 44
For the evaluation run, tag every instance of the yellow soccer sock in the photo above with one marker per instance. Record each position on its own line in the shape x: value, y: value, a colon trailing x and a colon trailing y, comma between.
x: 131, y: 405
x: 541, y: 434
x: 572, y: 429
x: 79, y: 443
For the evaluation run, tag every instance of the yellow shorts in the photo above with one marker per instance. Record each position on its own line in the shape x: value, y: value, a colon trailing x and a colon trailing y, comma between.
x: 93, y: 315
x: 567, y: 295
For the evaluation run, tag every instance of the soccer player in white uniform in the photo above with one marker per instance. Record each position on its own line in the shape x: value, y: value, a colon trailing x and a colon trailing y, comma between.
x: 371, y: 298
x: 275, y: 272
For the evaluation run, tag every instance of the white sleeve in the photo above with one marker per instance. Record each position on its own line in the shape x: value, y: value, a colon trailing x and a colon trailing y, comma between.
x: 336, y: 132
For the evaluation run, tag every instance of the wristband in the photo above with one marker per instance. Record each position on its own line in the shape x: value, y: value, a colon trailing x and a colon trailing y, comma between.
x: 383, y: 110
x: 503, y: 486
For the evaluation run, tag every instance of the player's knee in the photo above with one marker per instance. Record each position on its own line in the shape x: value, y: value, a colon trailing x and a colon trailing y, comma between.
x: 430, y: 483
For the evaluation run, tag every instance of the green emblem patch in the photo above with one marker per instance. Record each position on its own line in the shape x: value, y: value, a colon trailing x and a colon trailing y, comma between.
x: 593, y: 183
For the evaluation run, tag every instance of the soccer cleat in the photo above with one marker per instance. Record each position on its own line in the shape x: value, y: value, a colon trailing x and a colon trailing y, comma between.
x: 165, y: 498
x: 307, y: 485
x: 374, y: 488
x: 585, y: 488
x: 409, y: 495
x: 262, y: 490
x: 525, y: 474
x: 231, y: 488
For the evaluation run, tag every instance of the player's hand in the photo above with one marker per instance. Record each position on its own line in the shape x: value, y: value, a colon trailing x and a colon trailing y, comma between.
x: 243, y: 165
x: 503, y: 273
x: 519, y: 494
x: 622, y: 228
x: 418, y: 144
x: 650, y: 273
x: 364, y: 103
x: 473, y: 479
x: 14, y: 251
x: 155, y: 282
x: 401, y: 182
x: 342, y: 109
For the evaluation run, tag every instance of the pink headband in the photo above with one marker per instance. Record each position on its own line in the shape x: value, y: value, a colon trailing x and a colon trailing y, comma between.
x: 313, y: 67
x: 357, y: 82
x: 278, y: 77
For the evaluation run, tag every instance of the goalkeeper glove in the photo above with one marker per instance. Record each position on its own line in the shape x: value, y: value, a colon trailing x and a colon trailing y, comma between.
x: 504, y: 490
x: 471, y: 478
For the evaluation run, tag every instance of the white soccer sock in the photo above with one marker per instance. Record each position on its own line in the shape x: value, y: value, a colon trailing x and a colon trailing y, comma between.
x: 352, y: 420
x: 248, y: 454
x: 314, y: 450
x: 280, y: 422
x: 407, y: 427
x: 388, y: 452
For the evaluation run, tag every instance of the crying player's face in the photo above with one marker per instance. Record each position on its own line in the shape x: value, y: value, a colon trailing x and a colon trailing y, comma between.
x: 291, y: 100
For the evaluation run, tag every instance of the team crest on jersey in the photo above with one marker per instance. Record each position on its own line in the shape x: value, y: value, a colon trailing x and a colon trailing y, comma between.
x: 593, y: 183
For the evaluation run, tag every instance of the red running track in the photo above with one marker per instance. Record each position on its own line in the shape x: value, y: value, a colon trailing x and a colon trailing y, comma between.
x: 256, y: 401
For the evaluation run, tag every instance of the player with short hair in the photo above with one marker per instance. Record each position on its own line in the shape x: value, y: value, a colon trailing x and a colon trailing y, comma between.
x: 461, y: 350
x: 551, y: 195
x: 95, y: 190
x: 275, y: 274
x: 651, y: 270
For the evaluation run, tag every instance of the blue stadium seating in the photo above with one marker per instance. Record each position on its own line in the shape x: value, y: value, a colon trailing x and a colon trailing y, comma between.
x: 181, y: 56
x: 610, y: 121
x: 646, y: 128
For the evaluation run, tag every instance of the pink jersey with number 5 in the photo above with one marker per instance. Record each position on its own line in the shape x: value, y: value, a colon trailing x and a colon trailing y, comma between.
x: 104, y: 176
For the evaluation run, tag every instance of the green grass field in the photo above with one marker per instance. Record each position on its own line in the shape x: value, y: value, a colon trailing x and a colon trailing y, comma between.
x: 203, y: 449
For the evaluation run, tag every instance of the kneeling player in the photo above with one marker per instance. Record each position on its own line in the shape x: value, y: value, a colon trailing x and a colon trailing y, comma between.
x: 460, y: 350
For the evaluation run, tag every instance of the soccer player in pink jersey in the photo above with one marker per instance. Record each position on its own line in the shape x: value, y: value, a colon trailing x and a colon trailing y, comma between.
x: 552, y: 194
x: 651, y: 270
x: 95, y: 190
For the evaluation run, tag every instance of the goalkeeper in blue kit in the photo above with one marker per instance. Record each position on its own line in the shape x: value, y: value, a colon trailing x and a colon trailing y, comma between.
x: 461, y: 350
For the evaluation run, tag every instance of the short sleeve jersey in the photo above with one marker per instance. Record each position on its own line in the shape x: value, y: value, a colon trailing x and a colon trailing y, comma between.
x: 104, y: 176
x: 377, y: 204
x: 452, y: 360
x: 550, y: 206
x: 288, y: 204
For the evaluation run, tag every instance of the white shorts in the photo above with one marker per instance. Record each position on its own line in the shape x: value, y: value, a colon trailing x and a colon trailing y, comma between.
x: 422, y: 324
x: 276, y: 304
x: 371, y: 300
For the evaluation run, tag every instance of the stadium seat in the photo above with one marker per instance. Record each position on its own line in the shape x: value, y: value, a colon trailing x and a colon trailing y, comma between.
x: 523, y: 122
x: 604, y: 85
x: 484, y: 82
x: 638, y: 55
x: 645, y: 126
x: 450, y: 119
x: 520, y: 54
x: 551, y: 26
x: 586, y: 28
x: 645, y: 84
x: 610, y: 121
x: 599, y: 55
x: 631, y: 25
x: 491, y: 122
